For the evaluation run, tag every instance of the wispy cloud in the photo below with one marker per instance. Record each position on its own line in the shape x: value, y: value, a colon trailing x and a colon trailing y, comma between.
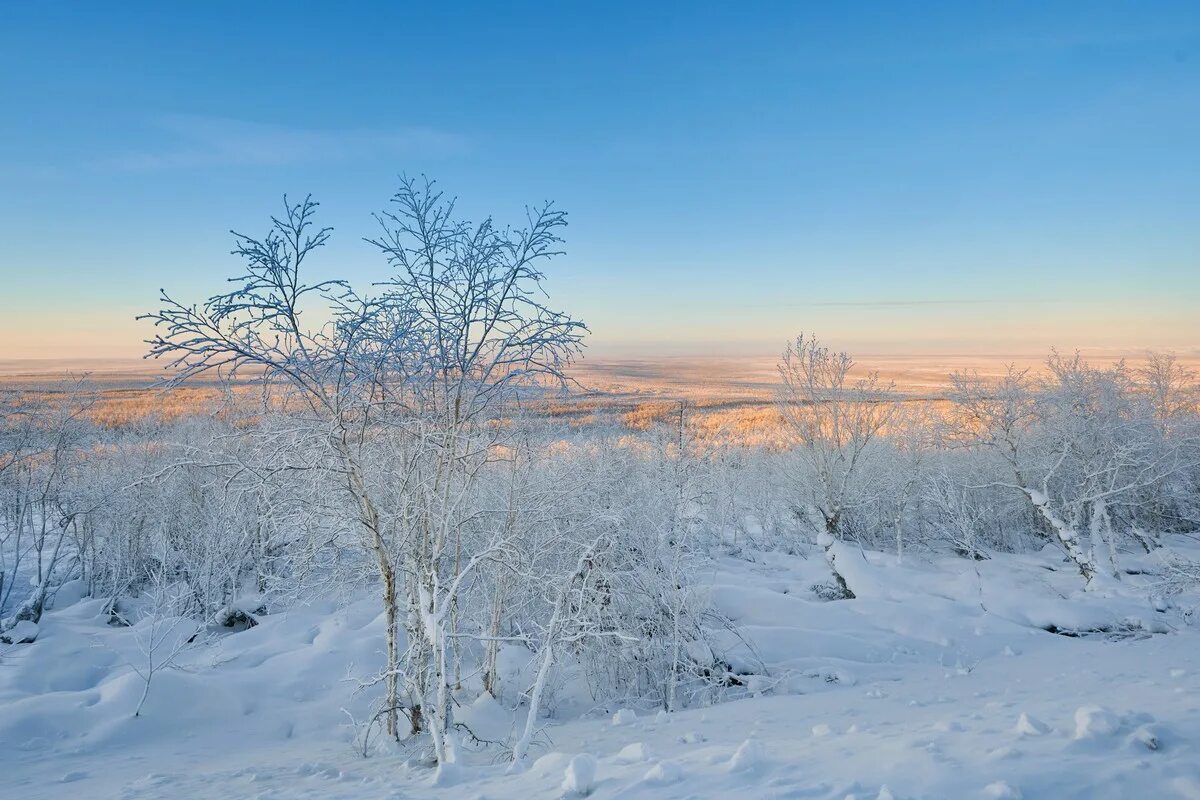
x: 919, y: 303
x: 201, y: 141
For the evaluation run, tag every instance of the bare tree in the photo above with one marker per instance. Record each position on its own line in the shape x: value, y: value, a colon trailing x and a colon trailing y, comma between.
x: 164, y: 633
x: 572, y: 600
x: 834, y: 419
x: 484, y: 335
x: 43, y: 443
x: 1076, y: 445
x: 403, y: 391
x: 335, y: 372
x: 1170, y: 386
x: 913, y: 436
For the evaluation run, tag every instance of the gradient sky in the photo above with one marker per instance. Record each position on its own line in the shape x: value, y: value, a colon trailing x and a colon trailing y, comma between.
x: 961, y: 177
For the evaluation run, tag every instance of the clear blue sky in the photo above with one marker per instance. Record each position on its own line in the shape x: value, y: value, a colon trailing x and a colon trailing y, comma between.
x: 896, y: 176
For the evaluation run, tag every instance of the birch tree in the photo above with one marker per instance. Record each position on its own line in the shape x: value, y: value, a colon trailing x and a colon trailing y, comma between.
x: 425, y: 365
x: 834, y: 420
x: 1076, y: 444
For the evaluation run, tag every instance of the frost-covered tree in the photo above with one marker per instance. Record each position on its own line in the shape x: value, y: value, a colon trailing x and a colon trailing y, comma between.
x: 913, y: 437
x: 396, y: 396
x: 835, y: 420
x: 42, y: 441
x: 331, y: 376
x: 483, y: 335
x: 1079, y: 445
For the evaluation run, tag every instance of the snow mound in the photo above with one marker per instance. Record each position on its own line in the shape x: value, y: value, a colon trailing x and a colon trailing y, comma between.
x: 1031, y: 726
x: 625, y: 716
x: 749, y: 755
x: 24, y: 632
x: 664, y: 773
x: 447, y: 774
x: 1002, y: 790
x: 580, y: 775
x: 1095, y: 721
x: 1147, y: 737
x: 634, y: 753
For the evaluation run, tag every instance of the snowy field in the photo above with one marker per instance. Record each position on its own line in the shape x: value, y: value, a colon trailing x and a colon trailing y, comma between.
x: 939, y: 681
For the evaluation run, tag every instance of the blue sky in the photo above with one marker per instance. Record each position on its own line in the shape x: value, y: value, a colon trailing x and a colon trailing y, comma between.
x: 955, y: 177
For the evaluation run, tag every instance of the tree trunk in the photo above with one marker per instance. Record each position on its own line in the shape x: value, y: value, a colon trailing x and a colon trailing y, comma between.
x: 1068, y: 537
x: 387, y: 574
x: 828, y: 541
x: 393, y: 649
x: 491, y: 648
x: 521, y: 748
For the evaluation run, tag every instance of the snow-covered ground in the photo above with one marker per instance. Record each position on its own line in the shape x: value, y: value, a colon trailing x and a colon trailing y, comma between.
x: 937, y: 682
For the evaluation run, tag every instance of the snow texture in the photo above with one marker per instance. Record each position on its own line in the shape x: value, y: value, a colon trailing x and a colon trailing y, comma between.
x: 914, y: 690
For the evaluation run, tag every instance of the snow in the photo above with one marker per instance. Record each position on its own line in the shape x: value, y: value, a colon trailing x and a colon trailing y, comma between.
x: 1031, y: 726
x: 1095, y: 721
x: 24, y: 632
x: 749, y: 755
x: 939, y: 682
x: 664, y: 773
x: 633, y: 753
x: 625, y: 716
x: 580, y: 775
x: 1001, y: 790
x: 1146, y: 736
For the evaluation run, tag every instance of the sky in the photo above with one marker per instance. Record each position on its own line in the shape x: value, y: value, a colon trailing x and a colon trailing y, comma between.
x: 896, y: 177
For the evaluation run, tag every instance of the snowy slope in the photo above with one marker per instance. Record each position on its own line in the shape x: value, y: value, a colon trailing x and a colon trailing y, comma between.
x: 938, y: 682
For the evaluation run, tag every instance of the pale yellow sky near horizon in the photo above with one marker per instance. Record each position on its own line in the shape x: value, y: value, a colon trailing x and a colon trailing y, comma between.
x: 901, y: 328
